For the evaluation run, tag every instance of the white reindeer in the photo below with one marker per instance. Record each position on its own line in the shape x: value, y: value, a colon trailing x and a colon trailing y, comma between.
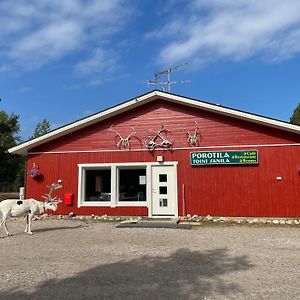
x: 29, y: 208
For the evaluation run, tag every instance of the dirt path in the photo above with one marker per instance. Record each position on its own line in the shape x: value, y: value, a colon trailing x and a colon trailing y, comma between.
x: 77, y: 260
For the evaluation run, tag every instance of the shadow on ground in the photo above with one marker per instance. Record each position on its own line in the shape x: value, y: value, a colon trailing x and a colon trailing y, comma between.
x: 184, y: 274
x: 41, y: 230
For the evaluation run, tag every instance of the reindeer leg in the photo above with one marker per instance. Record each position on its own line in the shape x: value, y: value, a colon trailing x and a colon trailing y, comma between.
x: 26, y: 227
x: 5, y: 227
x: 30, y: 216
x: 3, y: 223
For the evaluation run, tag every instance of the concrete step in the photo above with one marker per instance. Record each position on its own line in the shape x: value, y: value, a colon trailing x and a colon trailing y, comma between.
x: 154, y: 223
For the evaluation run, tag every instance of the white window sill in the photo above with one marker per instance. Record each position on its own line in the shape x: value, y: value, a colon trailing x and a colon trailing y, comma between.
x: 118, y: 204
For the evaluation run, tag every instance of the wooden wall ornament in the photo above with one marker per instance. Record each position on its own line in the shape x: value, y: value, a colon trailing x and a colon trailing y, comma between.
x: 158, y: 140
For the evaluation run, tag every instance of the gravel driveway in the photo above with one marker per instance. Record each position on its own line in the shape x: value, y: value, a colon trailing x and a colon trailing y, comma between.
x: 77, y: 260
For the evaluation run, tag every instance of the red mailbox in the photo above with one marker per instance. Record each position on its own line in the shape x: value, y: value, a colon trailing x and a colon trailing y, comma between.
x: 68, y: 198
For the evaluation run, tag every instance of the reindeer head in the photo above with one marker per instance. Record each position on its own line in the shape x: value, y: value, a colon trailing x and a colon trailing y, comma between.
x: 51, y: 203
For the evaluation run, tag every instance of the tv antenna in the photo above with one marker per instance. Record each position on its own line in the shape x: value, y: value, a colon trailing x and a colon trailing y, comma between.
x: 167, y: 73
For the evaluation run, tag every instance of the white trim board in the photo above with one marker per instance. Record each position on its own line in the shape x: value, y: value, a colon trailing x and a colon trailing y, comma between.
x: 133, y: 103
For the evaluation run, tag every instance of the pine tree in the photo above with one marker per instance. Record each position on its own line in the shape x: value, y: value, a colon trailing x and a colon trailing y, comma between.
x: 41, y: 129
x: 11, y: 165
x: 295, y: 118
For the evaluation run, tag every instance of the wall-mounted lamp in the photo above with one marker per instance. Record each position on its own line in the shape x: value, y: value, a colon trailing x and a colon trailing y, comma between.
x: 159, y: 158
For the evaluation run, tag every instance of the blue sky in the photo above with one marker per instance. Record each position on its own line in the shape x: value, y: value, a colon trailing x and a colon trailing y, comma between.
x: 65, y: 59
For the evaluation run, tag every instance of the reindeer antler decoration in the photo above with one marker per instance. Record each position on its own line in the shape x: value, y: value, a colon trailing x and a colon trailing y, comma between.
x: 193, y: 139
x: 123, y: 142
x: 151, y: 144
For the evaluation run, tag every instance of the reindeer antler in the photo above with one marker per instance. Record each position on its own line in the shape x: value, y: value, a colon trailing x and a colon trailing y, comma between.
x: 131, y: 134
x: 52, y: 187
x: 192, y: 139
x: 124, y: 142
x: 111, y: 129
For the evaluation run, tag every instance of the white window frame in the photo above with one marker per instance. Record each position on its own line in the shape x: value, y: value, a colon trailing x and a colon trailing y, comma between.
x: 82, y: 182
x: 128, y: 167
x: 114, y: 183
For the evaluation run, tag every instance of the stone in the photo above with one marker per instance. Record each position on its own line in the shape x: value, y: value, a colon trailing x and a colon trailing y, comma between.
x: 209, y: 218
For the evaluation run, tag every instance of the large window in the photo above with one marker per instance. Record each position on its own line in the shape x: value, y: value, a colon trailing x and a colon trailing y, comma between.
x: 132, y: 184
x: 97, y: 185
x: 113, y: 184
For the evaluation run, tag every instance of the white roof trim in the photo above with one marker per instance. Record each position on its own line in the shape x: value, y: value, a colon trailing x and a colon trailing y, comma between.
x: 24, y: 147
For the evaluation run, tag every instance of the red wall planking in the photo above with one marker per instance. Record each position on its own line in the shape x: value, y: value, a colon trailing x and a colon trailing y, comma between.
x: 215, y: 129
x: 214, y: 190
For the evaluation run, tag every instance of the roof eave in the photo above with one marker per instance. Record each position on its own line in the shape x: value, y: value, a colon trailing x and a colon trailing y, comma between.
x: 235, y: 113
x: 22, y: 149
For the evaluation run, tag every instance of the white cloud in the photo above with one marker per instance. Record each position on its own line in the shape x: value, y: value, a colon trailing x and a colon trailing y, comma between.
x: 208, y: 30
x: 101, y: 61
x: 46, y: 44
x: 41, y: 31
x: 95, y: 83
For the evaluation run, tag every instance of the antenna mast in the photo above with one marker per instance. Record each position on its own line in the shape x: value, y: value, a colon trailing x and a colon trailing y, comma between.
x: 167, y: 72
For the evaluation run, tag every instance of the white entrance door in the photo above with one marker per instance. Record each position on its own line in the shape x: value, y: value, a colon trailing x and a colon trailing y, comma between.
x: 164, y: 196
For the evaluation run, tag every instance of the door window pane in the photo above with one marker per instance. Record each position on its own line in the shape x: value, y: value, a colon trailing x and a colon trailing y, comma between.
x: 163, y: 177
x: 163, y: 190
x: 163, y: 202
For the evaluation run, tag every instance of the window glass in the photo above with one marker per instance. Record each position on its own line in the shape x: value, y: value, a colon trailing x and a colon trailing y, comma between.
x: 163, y: 202
x: 163, y: 177
x: 163, y: 190
x: 97, y: 185
x: 132, y: 185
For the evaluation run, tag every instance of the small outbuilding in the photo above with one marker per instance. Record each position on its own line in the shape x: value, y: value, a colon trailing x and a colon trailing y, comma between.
x: 166, y: 155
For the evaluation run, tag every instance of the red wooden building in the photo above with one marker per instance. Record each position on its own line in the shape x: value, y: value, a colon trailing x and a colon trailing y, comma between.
x: 162, y: 154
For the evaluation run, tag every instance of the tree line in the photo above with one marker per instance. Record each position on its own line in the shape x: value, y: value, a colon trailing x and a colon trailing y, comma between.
x: 12, y: 166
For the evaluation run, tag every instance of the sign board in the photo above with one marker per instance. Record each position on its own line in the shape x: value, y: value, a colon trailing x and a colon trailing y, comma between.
x: 204, y: 158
